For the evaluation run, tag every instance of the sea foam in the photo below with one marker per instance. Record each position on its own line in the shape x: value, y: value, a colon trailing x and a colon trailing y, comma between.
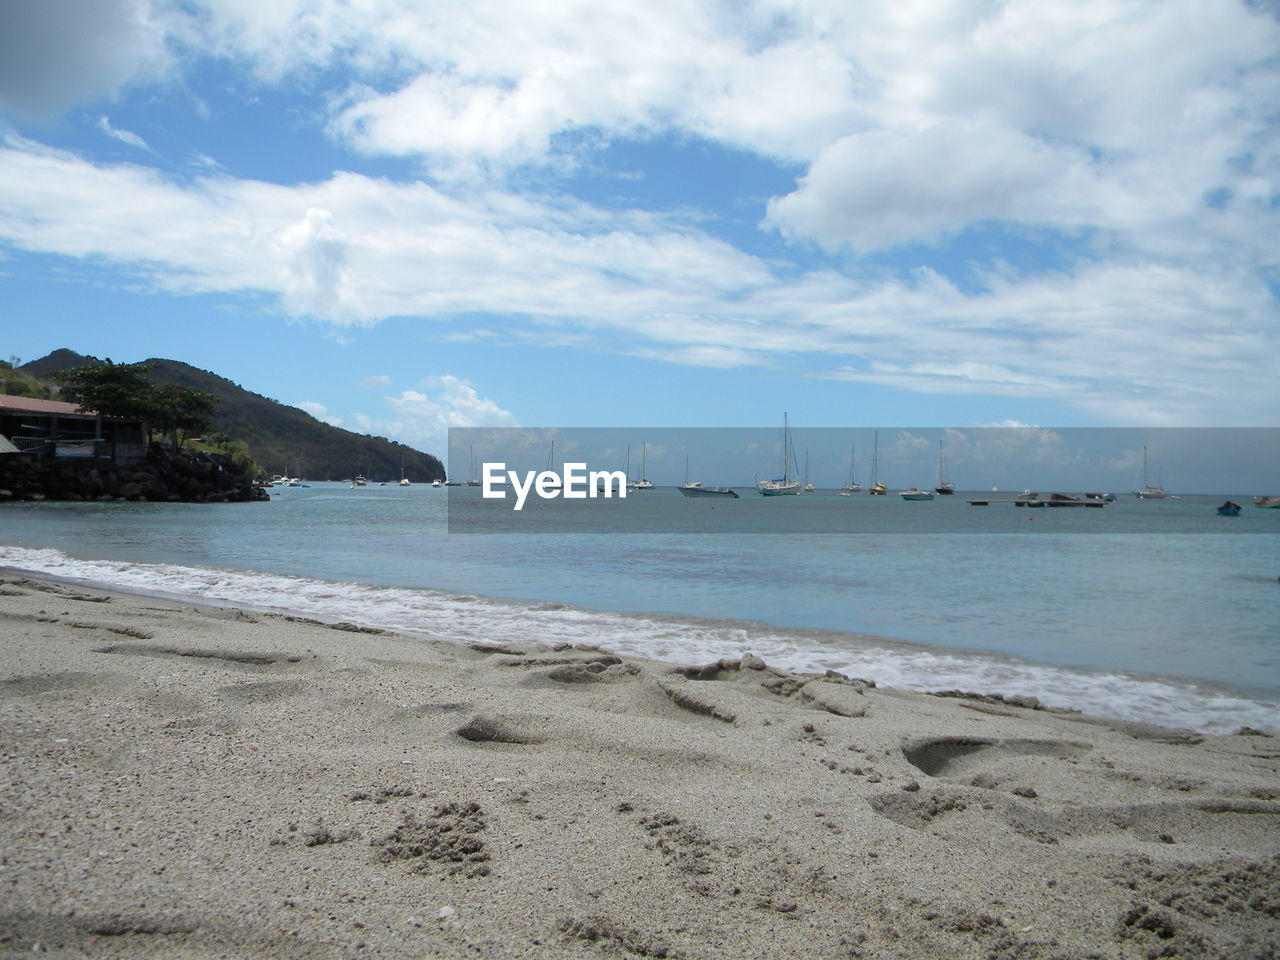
x: 465, y: 619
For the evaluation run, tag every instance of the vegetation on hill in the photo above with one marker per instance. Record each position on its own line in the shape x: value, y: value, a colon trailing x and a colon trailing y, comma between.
x: 279, y: 438
x: 18, y: 383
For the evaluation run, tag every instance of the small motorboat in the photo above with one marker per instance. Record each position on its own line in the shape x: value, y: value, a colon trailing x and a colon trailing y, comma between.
x: 693, y: 488
x: 1229, y: 509
x: 915, y: 493
x: 1270, y: 503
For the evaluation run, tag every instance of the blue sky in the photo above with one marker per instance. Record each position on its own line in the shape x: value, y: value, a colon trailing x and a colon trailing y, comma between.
x: 405, y: 217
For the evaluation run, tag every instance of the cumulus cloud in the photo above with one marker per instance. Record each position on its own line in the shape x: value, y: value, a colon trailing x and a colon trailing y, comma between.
x: 422, y: 418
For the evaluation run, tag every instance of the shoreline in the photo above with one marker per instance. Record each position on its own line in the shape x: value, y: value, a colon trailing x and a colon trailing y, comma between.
x: 190, y: 780
x: 1206, y: 706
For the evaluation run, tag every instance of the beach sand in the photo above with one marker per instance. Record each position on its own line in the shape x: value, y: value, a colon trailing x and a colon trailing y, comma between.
x: 199, y: 782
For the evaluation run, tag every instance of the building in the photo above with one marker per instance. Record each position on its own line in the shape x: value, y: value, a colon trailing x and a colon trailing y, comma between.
x: 53, y: 429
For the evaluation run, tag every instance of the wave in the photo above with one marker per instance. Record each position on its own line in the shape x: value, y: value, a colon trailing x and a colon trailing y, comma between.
x: 464, y: 618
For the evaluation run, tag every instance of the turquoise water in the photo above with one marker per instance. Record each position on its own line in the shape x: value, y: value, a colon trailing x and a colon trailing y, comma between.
x: 1151, y: 625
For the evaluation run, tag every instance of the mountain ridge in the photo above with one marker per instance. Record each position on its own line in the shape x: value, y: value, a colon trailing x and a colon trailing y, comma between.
x: 279, y: 438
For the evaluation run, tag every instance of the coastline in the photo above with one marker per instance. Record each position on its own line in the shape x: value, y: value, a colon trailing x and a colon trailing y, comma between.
x: 189, y: 781
x: 1202, y: 705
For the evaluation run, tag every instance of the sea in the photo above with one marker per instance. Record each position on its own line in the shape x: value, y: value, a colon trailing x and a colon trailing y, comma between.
x: 1155, y: 611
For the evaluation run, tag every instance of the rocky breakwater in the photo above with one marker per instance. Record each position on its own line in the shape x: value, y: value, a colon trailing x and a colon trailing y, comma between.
x: 163, y: 476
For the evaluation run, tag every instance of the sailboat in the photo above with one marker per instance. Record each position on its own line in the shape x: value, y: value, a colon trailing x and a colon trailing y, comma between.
x: 642, y: 483
x: 808, y: 487
x: 1148, y: 492
x: 692, y: 488
x: 404, y: 481
x: 853, y: 486
x: 878, y: 487
x: 472, y: 479
x: 945, y: 487
x: 783, y: 485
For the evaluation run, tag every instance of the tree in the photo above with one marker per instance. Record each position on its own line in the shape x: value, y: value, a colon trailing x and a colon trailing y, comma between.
x: 175, y: 408
x: 111, y: 389
x: 123, y: 390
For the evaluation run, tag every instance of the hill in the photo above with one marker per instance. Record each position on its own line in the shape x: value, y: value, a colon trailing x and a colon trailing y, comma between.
x: 278, y: 437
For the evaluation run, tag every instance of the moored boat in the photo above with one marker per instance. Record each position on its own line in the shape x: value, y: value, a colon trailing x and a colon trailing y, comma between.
x: 878, y: 486
x: 853, y: 486
x: 915, y: 493
x: 1148, y: 491
x: 696, y: 489
x: 1229, y: 509
x: 782, y: 486
x: 1270, y: 503
x: 945, y: 487
x: 643, y: 483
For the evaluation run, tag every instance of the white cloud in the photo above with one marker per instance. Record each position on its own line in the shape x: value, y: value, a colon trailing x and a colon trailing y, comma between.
x: 320, y: 412
x: 422, y: 418
x: 1102, y: 126
x: 124, y: 136
x: 352, y: 249
x: 1119, y: 115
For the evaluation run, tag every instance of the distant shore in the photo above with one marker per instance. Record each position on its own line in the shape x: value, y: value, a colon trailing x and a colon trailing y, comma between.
x: 201, y: 781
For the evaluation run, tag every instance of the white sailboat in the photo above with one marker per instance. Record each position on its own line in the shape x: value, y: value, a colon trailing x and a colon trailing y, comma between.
x: 404, y: 481
x: 642, y: 483
x: 945, y: 487
x: 808, y: 487
x: 853, y: 486
x: 878, y: 486
x: 781, y: 486
x: 472, y: 479
x: 1148, y: 492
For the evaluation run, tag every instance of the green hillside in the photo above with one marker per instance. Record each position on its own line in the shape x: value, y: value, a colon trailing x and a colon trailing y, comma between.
x: 278, y: 437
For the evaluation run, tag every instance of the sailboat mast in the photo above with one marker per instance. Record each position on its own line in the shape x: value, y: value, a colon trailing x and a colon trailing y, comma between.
x: 784, y: 447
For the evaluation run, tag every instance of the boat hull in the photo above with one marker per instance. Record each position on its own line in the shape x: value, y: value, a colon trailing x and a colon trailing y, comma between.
x: 779, y: 490
x: 708, y: 492
x: 916, y: 495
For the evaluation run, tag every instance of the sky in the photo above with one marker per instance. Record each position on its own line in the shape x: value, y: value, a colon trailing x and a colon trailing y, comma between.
x: 405, y: 216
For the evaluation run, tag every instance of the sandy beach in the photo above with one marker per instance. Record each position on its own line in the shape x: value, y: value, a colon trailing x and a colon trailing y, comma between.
x: 200, y: 782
